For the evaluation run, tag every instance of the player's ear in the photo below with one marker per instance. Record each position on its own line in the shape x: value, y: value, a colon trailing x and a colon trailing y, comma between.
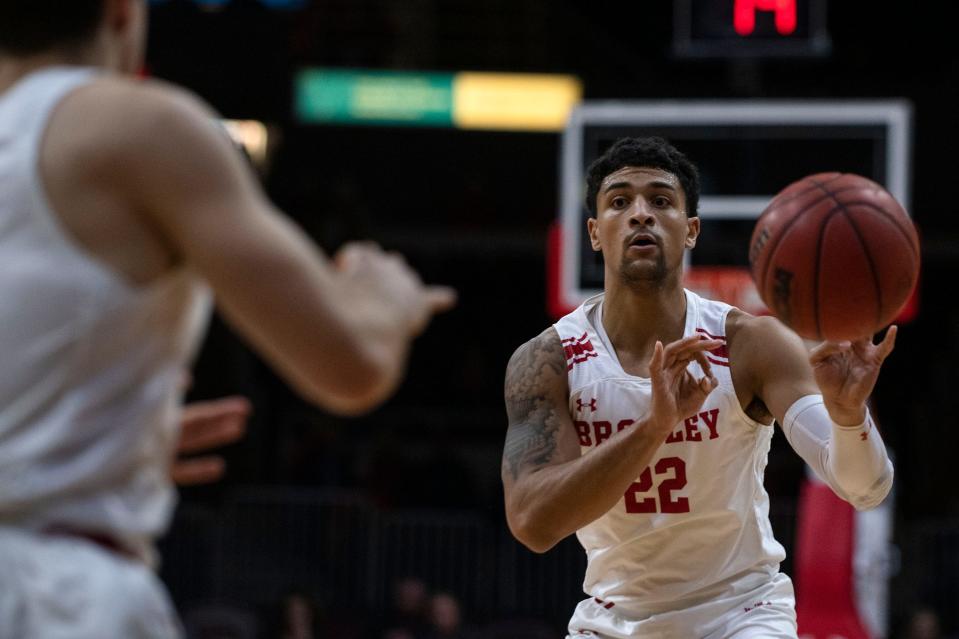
x: 592, y: 226
x: 692, y: 232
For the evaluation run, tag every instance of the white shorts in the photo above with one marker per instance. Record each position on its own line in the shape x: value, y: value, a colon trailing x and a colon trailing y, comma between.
x: 58, y: 587
x: 766, y: 612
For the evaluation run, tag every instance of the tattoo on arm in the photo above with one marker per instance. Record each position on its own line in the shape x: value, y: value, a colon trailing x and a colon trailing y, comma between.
x: 534, y: 417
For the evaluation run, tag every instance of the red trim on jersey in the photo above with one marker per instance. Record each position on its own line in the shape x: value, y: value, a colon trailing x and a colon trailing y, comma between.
x: 718, y: 361
x: 710, y: 335
x: 721, y: 351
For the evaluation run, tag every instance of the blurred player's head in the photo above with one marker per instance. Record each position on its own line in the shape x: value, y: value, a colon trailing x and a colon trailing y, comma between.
x: 109, y: 33
x: 643, y: 196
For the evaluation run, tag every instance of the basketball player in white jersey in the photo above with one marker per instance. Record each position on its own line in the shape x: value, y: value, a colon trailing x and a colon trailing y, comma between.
x: 119, y: 201
x: 654, y: 455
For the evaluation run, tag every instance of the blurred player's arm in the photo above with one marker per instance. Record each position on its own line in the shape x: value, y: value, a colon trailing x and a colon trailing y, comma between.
x: 551, y: 490
x: 338, y: 332
x: 820, y: 399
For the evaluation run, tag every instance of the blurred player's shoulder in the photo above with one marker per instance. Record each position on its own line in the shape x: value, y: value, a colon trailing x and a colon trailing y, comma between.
x: 113, y: 114
x: 142, y: 94
x: 117, y: 146
x: 148, y: 145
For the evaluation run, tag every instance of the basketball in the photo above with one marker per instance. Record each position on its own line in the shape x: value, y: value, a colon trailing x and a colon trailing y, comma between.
x: 834, y: 256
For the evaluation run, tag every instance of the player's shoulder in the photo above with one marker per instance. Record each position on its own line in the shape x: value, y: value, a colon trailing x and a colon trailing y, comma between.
x: 113, y: 113
x: 132, y: 136
x: 546, y: 347
x: 108, y: 94
x: 540, y: 361
x: 747, y: 333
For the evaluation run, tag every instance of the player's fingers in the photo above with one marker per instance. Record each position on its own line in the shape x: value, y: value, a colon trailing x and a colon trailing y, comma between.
x: 708, y: 384
x: 694, y: 350
x: 656, y: 361
x: 361, y: 247
x: 827, y: 349
x: 681, y: 348
x: 680, y: 367
x: 396, y: 256
x: 208, y: 425
x: 199, y: 470
x: 208, y: 409
x: 704, y: 363
x: 670, y: 350
x: 686, y: 350
x: 211, y: 434
x: 679, y: 344
x: 700, y: 345
x: 440, y: 298
x: 353, y: 254
x: 888, y: 342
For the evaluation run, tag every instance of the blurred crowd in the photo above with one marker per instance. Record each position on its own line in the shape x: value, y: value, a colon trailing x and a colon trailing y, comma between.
x: 924, y: 623
x: 415, y: 612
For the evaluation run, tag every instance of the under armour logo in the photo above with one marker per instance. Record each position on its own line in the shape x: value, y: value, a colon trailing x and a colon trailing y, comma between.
x: 864, y: 436
x: 591, y: 405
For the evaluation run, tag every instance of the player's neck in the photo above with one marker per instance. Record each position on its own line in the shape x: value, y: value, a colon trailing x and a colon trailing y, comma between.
x: 15, y: 68
x: 635, y: 319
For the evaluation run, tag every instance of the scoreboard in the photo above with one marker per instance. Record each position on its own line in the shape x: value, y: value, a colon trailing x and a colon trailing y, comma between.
x: 746, y: 151
x: 750, y: 28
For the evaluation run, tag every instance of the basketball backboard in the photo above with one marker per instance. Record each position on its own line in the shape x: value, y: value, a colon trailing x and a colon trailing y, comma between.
x: 746, y: 151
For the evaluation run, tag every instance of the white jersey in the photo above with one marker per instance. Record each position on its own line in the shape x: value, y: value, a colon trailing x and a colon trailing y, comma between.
x: 695, y: 523
x: 92, y: 366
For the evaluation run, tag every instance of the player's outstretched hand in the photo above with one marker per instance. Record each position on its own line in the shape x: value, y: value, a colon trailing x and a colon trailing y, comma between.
x: 677, y: 394
x: 393, y: 283
x: 846, y: 373
x: 203, y: 426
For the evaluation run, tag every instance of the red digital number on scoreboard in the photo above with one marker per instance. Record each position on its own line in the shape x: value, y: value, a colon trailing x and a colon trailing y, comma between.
x: 744, y: 15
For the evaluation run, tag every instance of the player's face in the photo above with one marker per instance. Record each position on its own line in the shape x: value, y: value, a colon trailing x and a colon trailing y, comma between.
x: 641, y: 224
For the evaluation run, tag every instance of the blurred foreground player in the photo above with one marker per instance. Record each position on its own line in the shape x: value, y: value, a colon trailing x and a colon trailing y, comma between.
x: 118, y: 200
x: 654, y: 455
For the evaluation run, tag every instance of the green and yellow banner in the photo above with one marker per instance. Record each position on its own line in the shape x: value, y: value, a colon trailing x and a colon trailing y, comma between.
x: 468, y: 100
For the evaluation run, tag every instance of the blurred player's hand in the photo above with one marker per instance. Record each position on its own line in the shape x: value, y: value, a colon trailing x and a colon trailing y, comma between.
x: 676, y: 393
x: 846, y: 373
x: 392, y: 283
x: 203, y: 426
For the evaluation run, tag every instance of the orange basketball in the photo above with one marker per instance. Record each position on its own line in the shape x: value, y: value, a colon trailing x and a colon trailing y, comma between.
x: 834, y: 256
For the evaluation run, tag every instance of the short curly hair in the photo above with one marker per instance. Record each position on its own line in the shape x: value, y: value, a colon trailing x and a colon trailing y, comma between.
x: 653, y: 152
x: 28, y: 27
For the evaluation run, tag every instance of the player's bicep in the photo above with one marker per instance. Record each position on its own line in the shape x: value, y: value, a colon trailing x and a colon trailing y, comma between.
x: 197, y: 190
x: 184, y: 173
x: 781, y: 365
x: 541, y: 432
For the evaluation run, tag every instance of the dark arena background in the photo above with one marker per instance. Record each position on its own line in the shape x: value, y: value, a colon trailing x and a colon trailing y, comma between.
x: 391, y: 526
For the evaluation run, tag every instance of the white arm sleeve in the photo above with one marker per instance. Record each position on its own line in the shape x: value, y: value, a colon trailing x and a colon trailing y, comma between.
x: 851, y: 459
